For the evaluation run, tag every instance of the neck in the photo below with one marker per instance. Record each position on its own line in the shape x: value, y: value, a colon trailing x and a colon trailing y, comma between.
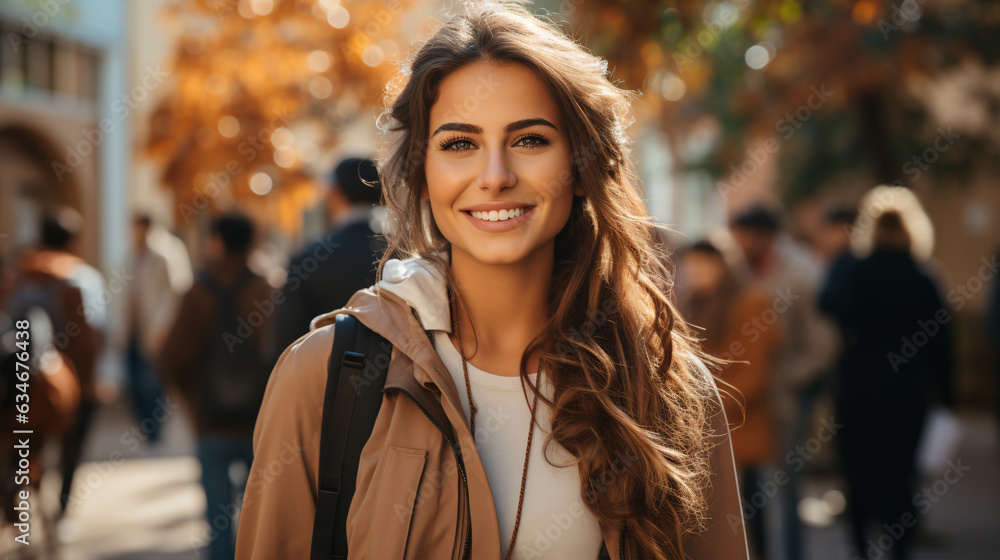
x: 506, y: 304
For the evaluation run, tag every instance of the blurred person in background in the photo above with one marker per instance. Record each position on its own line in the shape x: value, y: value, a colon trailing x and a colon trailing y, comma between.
x: 723, y: 304
x: 213, y: 356
x: 161, y: 275
x: 835, y: 245
x: 342, y: 261
x: 993, y: 336
x: 834, y: 242
x: 58, y: 256
x: 790, y: 275
x: 41, y: 324
x: 883, y: 303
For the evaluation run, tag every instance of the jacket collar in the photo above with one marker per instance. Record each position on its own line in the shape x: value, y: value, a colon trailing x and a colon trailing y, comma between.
x: 411, y: 299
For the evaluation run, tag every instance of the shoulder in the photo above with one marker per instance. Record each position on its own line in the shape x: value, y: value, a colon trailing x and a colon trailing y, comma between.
x: 297, y: 385
x: 715, y: 410
x: 700, y: 372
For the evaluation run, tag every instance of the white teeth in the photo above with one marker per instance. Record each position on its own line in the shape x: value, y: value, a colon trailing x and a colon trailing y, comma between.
x: 498, y: 215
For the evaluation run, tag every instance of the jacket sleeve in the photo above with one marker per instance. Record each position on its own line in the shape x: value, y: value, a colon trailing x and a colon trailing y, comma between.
x: 280, y: 499
x: 725, y: 536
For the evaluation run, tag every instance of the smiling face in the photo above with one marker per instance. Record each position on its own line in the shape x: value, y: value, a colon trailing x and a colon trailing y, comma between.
x: 498, y: 169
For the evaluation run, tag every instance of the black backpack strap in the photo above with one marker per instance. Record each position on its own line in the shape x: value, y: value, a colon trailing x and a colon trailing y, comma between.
x: 359, y: 362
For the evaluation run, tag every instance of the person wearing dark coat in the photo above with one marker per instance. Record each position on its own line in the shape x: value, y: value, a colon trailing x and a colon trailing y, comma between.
x: 324, y: 275
x: 896, y: 362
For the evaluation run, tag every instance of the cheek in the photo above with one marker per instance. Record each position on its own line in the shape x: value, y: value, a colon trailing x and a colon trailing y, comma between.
x: 441, y: 183
x: 552, y: 179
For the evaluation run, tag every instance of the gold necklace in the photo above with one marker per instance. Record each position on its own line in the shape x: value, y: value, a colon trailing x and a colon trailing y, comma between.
x: 472, y: 422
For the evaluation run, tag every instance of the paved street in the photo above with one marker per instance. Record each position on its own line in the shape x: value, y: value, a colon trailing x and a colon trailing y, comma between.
x: 148, y: 505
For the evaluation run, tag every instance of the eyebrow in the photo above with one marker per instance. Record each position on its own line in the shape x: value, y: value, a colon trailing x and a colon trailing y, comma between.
x: 474, y: 129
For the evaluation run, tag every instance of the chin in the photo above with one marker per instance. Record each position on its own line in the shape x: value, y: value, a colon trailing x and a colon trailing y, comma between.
x: 499, y: 253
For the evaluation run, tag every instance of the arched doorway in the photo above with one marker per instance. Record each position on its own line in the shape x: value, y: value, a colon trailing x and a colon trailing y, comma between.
x: 29, y: 186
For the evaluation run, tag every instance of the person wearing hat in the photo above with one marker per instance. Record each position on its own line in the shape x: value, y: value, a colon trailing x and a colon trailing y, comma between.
x: 327, y: 272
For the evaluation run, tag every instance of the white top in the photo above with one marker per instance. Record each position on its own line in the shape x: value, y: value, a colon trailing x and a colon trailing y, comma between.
x: 555, y: 522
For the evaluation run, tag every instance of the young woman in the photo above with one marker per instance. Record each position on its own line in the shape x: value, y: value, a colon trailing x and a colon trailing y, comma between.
x: 532, y: 310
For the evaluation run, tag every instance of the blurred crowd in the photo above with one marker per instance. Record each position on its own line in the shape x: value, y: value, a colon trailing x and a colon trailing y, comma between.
x: 208, y: 337
x: 853, y: 321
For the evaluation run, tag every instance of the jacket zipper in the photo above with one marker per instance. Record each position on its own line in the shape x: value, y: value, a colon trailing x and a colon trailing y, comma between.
x: 461, y: 468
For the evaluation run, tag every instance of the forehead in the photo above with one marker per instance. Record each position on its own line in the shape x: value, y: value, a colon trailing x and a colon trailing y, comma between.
x: 491, y: 96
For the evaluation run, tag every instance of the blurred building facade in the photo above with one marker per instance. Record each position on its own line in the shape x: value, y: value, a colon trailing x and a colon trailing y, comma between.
x: 64, y: 121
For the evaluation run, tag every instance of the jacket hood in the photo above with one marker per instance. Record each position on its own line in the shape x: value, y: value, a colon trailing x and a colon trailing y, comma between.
x: 410, y: 300
x: 416, y: 283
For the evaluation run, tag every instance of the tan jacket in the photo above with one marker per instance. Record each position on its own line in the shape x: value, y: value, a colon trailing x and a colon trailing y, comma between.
x: 422, y: 491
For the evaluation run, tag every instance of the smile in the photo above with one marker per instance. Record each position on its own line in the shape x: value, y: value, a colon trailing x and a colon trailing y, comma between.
x: 499, y: 215
x: 497, y: 221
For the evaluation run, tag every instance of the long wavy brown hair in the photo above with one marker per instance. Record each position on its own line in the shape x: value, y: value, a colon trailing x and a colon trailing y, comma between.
x: 630, y: 404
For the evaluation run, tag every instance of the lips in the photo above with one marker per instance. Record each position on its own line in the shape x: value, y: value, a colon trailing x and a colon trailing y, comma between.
x: 499, y: 220
x: 499, y: 215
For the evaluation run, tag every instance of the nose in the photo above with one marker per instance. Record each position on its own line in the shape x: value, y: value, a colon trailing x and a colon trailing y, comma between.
x: 497, y: 175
